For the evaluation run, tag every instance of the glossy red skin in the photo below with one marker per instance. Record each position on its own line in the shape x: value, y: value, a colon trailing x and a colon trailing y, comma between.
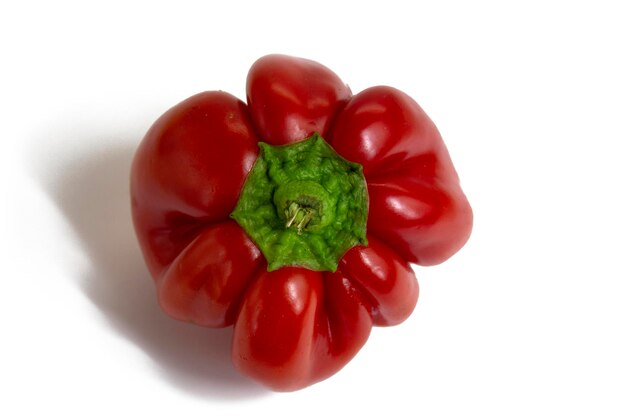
x: 416, y: 203
x: 290, y: 98
x: 292, y: 327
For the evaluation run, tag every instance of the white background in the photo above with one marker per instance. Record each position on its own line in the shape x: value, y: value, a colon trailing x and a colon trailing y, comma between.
x: 528, y: 319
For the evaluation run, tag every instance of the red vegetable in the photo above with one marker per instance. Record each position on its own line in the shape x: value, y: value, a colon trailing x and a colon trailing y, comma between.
x: 302, y: 242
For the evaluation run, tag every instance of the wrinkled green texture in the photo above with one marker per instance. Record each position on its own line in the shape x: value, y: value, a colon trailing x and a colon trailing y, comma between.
x: 329, y: 189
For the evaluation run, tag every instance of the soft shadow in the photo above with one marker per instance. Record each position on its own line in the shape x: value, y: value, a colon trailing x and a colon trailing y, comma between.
x: 92, y: 192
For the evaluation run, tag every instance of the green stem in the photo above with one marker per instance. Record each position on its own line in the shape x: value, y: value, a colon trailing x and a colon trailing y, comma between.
x: 299, y: 216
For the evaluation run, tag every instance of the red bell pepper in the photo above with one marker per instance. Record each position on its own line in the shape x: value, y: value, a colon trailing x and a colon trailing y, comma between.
x: 294, y: 217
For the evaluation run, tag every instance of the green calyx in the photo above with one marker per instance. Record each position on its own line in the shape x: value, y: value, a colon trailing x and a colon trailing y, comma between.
x: 303, y: 205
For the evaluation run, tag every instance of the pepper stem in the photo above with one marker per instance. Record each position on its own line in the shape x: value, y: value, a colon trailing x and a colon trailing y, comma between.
x: 298, y: 216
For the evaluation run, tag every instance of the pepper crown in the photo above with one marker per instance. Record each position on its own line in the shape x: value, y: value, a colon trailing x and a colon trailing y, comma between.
x: 303, y: 205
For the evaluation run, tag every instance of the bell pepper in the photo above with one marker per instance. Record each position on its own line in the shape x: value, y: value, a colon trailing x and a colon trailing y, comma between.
x: 295, y: 216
